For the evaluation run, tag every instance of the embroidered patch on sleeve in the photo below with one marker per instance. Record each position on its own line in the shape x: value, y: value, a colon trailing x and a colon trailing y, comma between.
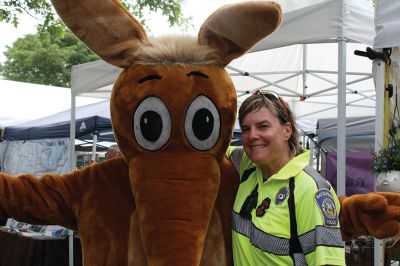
x: 327, y: 206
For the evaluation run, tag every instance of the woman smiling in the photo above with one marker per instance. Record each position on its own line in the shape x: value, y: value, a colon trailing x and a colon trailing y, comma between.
x: 284, y: 213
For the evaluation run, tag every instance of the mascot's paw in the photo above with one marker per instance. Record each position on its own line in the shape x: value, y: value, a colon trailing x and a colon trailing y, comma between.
x: 376, y: 214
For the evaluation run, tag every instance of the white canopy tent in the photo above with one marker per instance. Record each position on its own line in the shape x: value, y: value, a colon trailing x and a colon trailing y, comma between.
x: 21, y: 101
x: 387, y: 24
x: 324, y: 30
x: 387, y: 27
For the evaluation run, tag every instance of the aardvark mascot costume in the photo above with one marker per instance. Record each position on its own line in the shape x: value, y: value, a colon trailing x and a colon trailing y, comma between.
x: 168, y: 201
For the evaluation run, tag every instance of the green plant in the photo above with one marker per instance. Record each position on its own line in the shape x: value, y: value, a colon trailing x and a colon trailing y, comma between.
x: 387, y: 159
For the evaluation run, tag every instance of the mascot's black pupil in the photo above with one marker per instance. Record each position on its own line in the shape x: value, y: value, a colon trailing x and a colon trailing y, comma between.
x: 151, y: 125
x: 203, y: 124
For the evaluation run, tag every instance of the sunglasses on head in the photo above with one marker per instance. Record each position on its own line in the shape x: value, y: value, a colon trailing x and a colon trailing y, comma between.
x: 274, y: 97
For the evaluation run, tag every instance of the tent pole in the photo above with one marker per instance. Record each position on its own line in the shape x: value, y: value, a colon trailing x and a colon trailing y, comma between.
x: 72, y: 168
x: 379, y: 137
x: 72, y: 134
x: 341, y: 130
x: 304, y: 72
x: 312, y: 147
x: 94, y: 145
x: 304, y: 77
x: 318, y: 167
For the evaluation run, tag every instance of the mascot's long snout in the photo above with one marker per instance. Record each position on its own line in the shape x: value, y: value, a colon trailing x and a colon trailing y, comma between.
x: 174, y: 204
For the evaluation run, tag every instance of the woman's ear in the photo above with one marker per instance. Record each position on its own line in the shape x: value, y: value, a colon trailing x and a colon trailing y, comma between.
x: 233, y: 29
x: 288, y: 130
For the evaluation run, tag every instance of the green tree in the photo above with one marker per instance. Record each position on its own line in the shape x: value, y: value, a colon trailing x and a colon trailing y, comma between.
x: 45, y: 58
x: 42, y: 9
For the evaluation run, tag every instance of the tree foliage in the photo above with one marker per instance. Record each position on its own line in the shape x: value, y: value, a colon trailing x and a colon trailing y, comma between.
x: 45, y: 58
x: 42, y: 9
x: 10, y: 9
x: 171, y: 9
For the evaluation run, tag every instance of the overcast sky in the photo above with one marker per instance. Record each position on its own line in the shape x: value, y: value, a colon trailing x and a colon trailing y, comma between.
x: 199, y: 10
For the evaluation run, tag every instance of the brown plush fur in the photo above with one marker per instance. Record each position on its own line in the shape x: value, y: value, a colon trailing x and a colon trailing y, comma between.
x: 184, y: 185
x: 376, y: 214
x: 175, y: 50
x: 96, y: 201
x: 170, y: 205
x: 234, y: 29
x: 177, y: 91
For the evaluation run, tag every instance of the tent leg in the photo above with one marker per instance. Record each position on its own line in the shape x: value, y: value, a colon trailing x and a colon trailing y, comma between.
x: 341, y: 130
x: 379, y: 250
x: 72, y: 168
x: 311, y: 162
x: 95, y: 133
x: 70, y: 247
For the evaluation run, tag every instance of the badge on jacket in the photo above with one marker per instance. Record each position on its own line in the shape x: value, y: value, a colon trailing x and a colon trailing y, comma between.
x: 326, y: 204
x: 281, y: 195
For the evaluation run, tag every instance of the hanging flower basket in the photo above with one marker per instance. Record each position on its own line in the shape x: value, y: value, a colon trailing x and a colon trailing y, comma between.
x: 388, y: 181
x: 386, y: 166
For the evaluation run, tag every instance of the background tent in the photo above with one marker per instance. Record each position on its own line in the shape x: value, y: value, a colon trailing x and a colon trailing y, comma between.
x: 360, y: 138
x: 21, y: 101
x: 360, y: 134
x: 42, y: 146
x: 387, y: 24
x: 90, y: 119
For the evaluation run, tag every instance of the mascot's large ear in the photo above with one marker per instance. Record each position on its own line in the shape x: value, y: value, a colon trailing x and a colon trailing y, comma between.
x: 105, y: 26
x: 233, y: 29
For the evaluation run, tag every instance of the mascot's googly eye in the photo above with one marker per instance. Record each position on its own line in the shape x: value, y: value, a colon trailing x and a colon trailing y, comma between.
x: 152, y: 124
x: 202, y: 124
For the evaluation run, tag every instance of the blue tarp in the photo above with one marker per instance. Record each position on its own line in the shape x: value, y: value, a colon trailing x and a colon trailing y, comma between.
x: 89, y: 118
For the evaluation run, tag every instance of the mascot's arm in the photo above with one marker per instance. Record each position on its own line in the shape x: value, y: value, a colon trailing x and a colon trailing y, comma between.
x: 53, y: 199
x: 224, y: 203
x: 375, y: 213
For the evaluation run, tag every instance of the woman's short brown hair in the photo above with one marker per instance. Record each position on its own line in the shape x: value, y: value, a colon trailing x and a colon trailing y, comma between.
x: 278, y: 106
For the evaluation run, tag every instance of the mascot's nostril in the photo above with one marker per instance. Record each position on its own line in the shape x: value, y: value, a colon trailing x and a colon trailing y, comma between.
x: 151, y: 125
x: 203, y: 124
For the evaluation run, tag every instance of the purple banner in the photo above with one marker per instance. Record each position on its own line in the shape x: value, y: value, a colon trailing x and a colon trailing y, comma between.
x: 359, y: 177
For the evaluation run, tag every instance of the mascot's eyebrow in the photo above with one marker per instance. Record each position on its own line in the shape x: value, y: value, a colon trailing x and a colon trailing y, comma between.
x: 150, y: 77
x: 197, y: 73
